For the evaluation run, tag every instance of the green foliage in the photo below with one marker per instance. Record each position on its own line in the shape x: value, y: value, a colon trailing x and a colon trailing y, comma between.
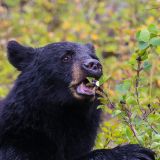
x: 124, y: 87
x: 155, y: 41
x: 148, y: 37
x: 135, y: 107
x: 147, y: 66
x: 131, y: 61
x: 143, y: 36
x: 11, y: 3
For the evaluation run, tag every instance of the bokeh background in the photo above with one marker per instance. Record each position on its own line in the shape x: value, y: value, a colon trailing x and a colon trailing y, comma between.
x: 111, y: 25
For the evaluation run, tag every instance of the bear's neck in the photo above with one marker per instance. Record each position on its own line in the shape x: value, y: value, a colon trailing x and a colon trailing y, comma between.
x: 27, y: 117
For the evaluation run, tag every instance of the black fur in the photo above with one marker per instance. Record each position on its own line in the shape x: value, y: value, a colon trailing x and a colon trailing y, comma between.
x: 40, y: 119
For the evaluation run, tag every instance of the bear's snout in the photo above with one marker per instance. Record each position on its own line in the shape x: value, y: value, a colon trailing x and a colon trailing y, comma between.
x: 92, y: 67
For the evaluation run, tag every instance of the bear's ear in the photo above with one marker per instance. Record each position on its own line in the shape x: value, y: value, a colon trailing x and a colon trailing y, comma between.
x: 91, y: 47
x: 18, y: 55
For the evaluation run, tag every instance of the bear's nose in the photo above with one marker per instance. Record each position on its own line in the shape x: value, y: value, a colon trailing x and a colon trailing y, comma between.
x: 92, y: 67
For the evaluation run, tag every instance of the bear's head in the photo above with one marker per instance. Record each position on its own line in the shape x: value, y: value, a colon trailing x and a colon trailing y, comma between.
x: 56, y: 71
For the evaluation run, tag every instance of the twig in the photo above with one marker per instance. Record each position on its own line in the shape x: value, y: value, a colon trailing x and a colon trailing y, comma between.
x: 155, y: 131
x: 146, y: 120
x: 131, y: 126
x: 139, y: 61
x: 106, y: 143
x: 128, y: 113
x: 139, y: 69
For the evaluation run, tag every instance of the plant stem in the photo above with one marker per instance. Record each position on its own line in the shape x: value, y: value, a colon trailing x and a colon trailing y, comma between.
x: 129, y: 121
x: 139, y: 69
x: 138, y: 79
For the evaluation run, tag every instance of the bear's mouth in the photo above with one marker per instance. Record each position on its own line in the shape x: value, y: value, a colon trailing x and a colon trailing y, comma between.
x: 86, y: 88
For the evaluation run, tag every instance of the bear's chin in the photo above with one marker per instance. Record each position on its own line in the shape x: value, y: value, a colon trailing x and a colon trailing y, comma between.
x: 83, y: 97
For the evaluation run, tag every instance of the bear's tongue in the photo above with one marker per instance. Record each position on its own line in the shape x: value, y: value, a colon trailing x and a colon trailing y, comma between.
x: 86, y: 90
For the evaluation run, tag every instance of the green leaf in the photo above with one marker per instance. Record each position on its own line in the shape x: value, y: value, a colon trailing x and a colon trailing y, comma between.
x: 90, y: 79
x: 142, y: 52
x: 153, y: 28
x: 143, y: 45
x: 103, y: 79
x: 122, y: 98
x: 144, y: 57
x: 116, y: 112
x: 137, y: 35
x: 156, y: 137
x: 103, y: 100
x: 131, y: 100
x: 155, y: 41
x: 147, y: 66
x: 127, y: 83
x: 155, y: 144
x: 101, y: 107
x: 119, y: 87
x: 12, y: 3
x: 107, y: 110
x: 144, y: 35
x: 124, y: 87
x: 128, y: 133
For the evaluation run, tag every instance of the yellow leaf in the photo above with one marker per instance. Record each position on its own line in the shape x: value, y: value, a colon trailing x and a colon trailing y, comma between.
x: 94, y: 37
x: 66, y: 25
x: 158, y: 82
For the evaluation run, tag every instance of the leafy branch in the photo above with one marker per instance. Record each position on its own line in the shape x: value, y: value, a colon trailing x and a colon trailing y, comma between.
x: 128, y: 120
x: 135, y: 109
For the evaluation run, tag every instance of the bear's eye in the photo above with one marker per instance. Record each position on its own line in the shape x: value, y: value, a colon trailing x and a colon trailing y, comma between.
x: 67, y: 58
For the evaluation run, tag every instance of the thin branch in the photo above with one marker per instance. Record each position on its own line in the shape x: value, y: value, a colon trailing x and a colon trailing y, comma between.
x: 139, y: 69
x: 139, y: 61
x: 129, y: 121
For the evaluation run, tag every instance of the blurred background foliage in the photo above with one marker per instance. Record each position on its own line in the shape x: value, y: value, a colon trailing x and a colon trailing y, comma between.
x: 111, y: 25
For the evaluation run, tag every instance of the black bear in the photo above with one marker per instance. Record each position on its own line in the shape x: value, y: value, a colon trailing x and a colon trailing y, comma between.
x: 51, y: 113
